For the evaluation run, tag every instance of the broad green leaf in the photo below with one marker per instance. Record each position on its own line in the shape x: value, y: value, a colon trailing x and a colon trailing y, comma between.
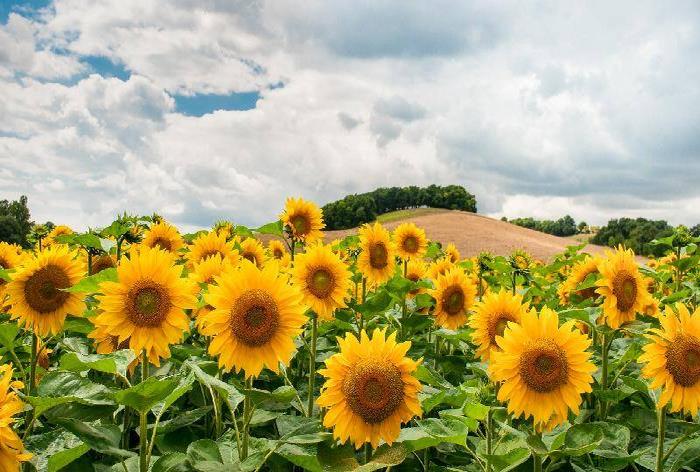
x: 232, y: 395
x: 275, y: 228
x: 582, y: 439
x: 8, y: 333
x: 144, y: 396
x: 446, y: 429
x: 91, y: 284
x: 182, y: 419
x: 59, y: 388
x: 284, y: 394
x: 184, y: 385
x: 301, y: 455
x: 204, y: 450
x: 116, y: 362
x: 103, y: 438
x: 172, y: 462
x: 66, y: 456
x: 55, y: 449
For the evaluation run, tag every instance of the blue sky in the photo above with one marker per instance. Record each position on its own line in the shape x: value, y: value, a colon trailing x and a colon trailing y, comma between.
x: 539, y: 108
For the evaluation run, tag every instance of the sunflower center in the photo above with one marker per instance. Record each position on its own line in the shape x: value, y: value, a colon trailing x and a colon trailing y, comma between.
x: 43, y: 289
x: 321, y: 283
x: 249, y: 255
x: 373, y: 389
x: 410, y: 244
x: 209, y: 253
x: 378, y: 256
x: 254, y: 317
x: 499, y: 324
x: 4, y: 264
x: 148, y: 304
x: 625, y: 290
x: 453, y: 300
x: 543, y: 366
x: 162, y: 243
x: 278, y: 253
x: 301, y: 224
x: 683, y: 360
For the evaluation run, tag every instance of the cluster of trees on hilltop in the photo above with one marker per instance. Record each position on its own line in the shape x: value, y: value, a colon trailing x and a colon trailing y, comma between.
x: 15, y: 224
x: 357, y: 209
x: 565, y: 226
x: 634, y: 233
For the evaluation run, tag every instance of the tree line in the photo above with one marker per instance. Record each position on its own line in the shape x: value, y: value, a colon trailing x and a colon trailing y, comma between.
x: 357, y: 209
x: 636, y: 234
x: 565, y: 226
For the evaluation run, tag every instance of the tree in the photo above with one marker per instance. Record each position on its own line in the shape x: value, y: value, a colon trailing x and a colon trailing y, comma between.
x: 15, y: 222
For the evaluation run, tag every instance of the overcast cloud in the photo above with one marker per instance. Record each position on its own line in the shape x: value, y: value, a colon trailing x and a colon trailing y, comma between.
x: 539, y: 108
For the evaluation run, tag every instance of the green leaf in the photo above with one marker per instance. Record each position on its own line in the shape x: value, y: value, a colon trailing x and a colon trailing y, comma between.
x: 582, y: 439
x: 284, y: 394
x: 144, y: 396
x: 509, y: 460
x: 5, y: 275
x: 102, y: 438
x: 172, y: 462
x: 59, y: 388
x: 182, y: 419
x: 92, y: 283
x: 75, y: 324
x: 204, y: 450
x: 116, y: 362
x: 55, y: 449
x: 8, y: 333
x: 476, y: 410
x: 275, y: 228
x: 448, y: 430
x: 301, y: 455
x: 232, y: 395
x: 184, y: 385
x: 65, y: 457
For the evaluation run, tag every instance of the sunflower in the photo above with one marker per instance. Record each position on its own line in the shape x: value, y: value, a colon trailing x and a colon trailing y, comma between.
x: 452, y: 253
x: 672, y: 359
x: 415, y: 271
x: 11, y: 446
x: 146, y: 305
x: 35, y: 294
x: 370, y: 389
x: 50, y: 239
x: 578, y: 274
x: 163, y: 235
x: 410, y: 241
x: 454, y: 294
x: 255, y: 319
x: 9, y: 259
x: 440, y: 267
x: 208, y: 244
x: 206, y: 270
x: 303, y: 219
x: 226, y: 228
x: 254, y: 251
x: 490, y: 318
x: 276, y: 249
x: 376, y: 260
x: 544, y: 368
x: 520, y: 260
x: 322, y: 278
x: 102, y: 262
x: 622, y: 286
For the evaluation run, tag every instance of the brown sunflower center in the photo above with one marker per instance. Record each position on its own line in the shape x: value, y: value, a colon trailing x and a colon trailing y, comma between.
x: 255, y: 317
x: 321, y: 283
x: 625, y: 290
x: 543, y: 366
x: 413, y: 278
x: 683, y: 360
x: 209, y: 253
x: 410, y: 244
x: 251, y: 256
x: 43, y: 289
x: 147, y: 304
x: 4, y: 264
x: 373, y: 389
x: 101, y: 263
x: 162, y: 243
x: 278, y: 253
x: 378, y: 256
x: 453, y: 300
x: 498, y: 325
x: 301, y: 224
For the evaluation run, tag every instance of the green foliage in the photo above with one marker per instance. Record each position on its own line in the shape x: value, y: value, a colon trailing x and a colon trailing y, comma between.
x: 634, y: 233
x: 15, y: 224
x: 565, y: 226
x: 357, y: 209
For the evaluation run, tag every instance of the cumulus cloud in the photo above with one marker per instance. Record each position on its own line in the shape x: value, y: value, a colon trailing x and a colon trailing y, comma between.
x: 540, y: 109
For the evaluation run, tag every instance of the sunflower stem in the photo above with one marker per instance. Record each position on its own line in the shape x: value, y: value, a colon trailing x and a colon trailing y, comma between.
x: 368, y: 453
x: 246, y: 417
x: 89, y: 261
x: 32, y: 365
x: 489, y: 438
x: 536, y: 462
x: 312, y: 364
x: 143, y: 420
x: 604, y: 375
x: 661, y: 420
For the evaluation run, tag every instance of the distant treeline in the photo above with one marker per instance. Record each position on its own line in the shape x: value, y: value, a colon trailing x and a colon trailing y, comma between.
x: 565, y: 226
x: 634, y: 233
x: 357, y: 209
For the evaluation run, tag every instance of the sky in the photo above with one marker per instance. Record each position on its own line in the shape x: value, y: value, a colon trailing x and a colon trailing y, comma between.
x: 209, y: 109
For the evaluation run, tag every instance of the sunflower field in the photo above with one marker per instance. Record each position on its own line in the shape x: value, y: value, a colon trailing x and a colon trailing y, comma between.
x: 136, y: 348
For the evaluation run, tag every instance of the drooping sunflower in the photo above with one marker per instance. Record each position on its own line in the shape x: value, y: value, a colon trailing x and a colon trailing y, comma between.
x: 50, y: 239
x: 376, y: 259
x: 544, y: 368
x: 415, y: 271
x: 370, y: 389
x: 672, y: 359
x: 322, y: 278
x: 146, y: 305
x: 254, y: 251
x: 163, y: 235
x: 102, y: 262
x: 622, y: 286
x: 208, y: 244
x: 491, y: 316
x: 410, y: 241
x: 578, y: 274
x: 35, y: 294
x: 255, y: 319
x: 303, y: 219
x: 452, y: 253
x: 11, y: 447
x: 454, y: 295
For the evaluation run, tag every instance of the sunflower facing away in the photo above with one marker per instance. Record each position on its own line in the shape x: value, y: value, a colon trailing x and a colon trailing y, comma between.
x: 454, y: 294
x: 578, y: 274
x: 35, y: 294
x: 376, y: 260
x: 623, y: 288
x: 303, y: 219
x: 50, y: 239
x: 146, y: 305
x: 255, y: 319
x: 11, y: 447
x: 208, y: 244
x: 322, y: 278
x: 410, y: 241
x: 672, y: 359
x: 102, y: 262
x: 452, y: 253
x: 164, y: 236
x: 544, y: 368
x: 254, y: 251
x: 490, y: 318
x: 370, y: 389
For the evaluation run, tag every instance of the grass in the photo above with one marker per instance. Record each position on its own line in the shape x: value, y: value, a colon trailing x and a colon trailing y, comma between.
x: 410, y: 213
